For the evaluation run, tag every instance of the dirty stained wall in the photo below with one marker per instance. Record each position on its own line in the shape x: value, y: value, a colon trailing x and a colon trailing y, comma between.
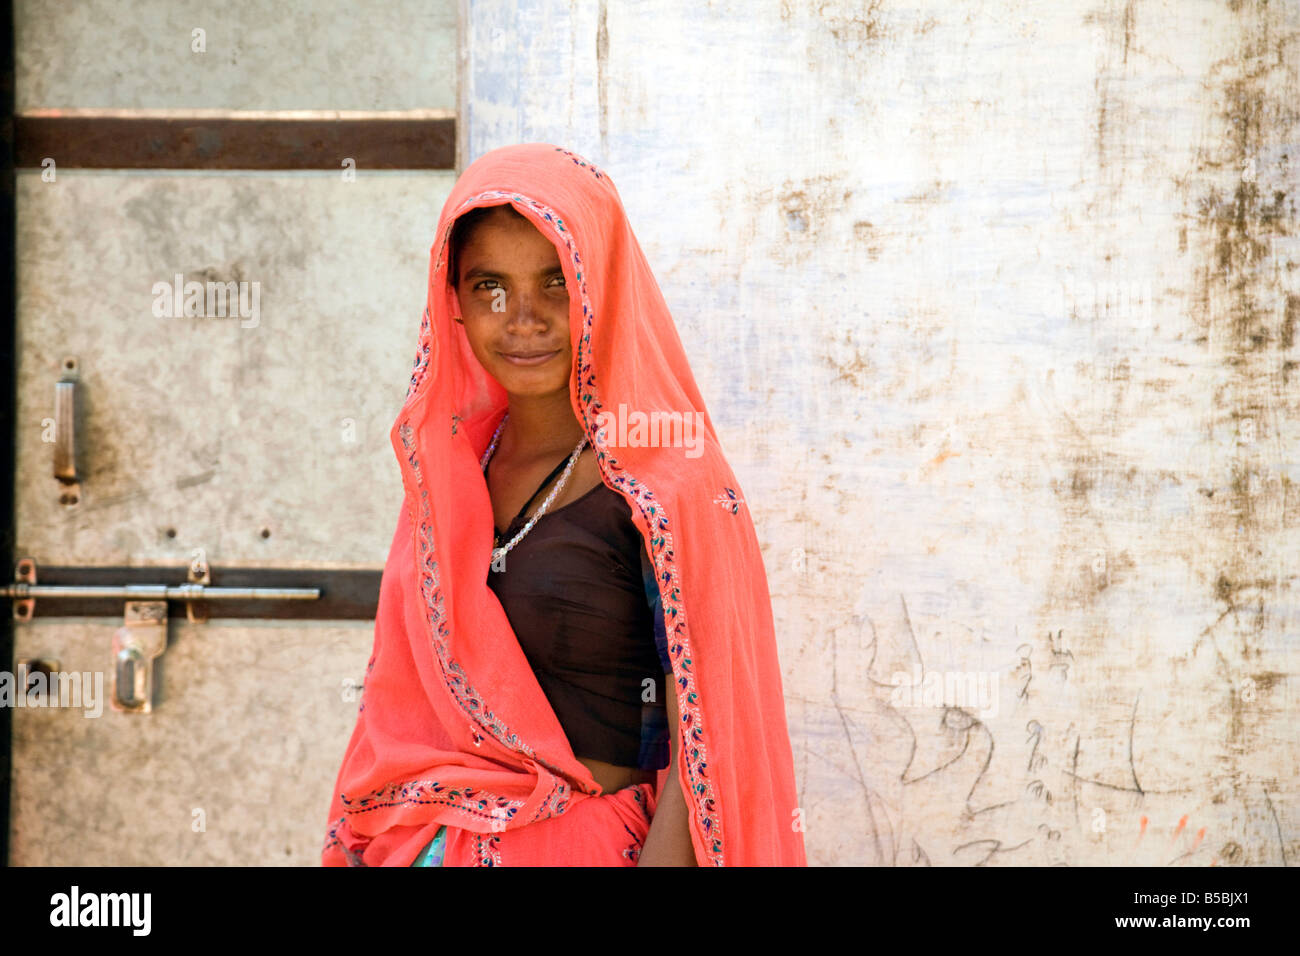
x: 994, y: 306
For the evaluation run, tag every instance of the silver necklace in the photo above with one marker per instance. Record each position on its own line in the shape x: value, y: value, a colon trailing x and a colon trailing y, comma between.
x: 499, y: 553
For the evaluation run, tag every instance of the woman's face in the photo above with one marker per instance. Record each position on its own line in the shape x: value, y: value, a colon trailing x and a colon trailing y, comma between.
x: 515, y: 305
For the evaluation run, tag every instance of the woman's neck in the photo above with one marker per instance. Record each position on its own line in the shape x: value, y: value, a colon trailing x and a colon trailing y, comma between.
x: 539, y: 426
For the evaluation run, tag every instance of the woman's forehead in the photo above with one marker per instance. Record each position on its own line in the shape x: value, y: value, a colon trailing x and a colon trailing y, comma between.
x: 500, y: 232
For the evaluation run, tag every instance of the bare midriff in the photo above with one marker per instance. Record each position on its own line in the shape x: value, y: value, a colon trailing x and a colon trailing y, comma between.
x: 612, y: 777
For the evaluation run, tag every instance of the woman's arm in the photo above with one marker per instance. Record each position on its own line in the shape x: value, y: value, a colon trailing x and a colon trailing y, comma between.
x: 669, y: 841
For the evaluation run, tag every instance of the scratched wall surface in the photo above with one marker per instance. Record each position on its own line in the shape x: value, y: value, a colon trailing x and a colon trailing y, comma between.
x: 995, y: 308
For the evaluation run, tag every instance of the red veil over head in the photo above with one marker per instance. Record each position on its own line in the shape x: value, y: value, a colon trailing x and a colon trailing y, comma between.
x: 453, y: 726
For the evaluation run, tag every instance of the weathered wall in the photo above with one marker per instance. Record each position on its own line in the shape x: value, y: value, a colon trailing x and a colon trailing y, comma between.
x: 994, y: 305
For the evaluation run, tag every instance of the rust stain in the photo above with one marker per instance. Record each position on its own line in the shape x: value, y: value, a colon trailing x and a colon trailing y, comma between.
x: 853, y: 25
x: 1241, y: 194
x: 807, y: 204
x: 930, y: 195
x: 938, y: 460
x: 865, y: 233
x: 1267, y: 680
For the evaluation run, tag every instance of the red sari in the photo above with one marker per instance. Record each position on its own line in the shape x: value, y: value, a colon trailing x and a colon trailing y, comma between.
x: 453, y: 728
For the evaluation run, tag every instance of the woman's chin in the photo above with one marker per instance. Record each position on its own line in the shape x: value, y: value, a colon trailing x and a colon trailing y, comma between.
x: 532, y: 382
x: 524, y: 385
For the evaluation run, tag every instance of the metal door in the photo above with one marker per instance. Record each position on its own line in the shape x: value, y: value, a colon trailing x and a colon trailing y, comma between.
x: 215, y: 314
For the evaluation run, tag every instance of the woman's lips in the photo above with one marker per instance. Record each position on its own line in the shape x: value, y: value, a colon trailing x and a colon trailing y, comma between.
x: 528, y: 358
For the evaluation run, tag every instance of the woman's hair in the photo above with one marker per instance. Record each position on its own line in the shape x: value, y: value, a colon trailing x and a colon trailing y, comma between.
x: 461, y: 232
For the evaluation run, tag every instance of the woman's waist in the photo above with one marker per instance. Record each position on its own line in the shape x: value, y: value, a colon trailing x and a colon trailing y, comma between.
x: 613, y: 777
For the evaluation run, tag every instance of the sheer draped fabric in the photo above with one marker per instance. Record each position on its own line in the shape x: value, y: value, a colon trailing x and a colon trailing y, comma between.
x: 453, y: 728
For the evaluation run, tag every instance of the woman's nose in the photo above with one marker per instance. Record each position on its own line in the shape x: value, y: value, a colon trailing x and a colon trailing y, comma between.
x: 522, y: 311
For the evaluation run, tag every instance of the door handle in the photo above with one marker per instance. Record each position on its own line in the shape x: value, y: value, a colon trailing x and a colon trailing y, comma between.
x: 136, y: 645
x: 65, y: 433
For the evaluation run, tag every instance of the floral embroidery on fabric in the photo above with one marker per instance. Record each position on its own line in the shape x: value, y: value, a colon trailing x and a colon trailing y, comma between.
x: 332, y: 840
x: 469, y: 800
x: 591, y: 167
x: 421, y: 356
x: 633, y: 850
x: 730, y: 501
x: 694, y: 750
x: 487, y: 849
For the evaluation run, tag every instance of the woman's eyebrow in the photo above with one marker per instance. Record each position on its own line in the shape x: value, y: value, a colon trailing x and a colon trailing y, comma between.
x: 481, y: 272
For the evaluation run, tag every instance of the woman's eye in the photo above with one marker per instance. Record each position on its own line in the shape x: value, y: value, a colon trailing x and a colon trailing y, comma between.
x: 484, y: 284
x: 558, y: 280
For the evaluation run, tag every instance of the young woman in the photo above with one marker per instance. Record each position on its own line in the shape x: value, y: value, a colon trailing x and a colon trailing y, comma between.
x: 574, y: 658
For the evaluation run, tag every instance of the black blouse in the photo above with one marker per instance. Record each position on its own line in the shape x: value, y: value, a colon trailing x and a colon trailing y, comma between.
x: 580, y: 594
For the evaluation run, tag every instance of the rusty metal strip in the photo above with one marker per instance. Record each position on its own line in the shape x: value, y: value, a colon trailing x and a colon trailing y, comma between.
x: 217, y: 139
